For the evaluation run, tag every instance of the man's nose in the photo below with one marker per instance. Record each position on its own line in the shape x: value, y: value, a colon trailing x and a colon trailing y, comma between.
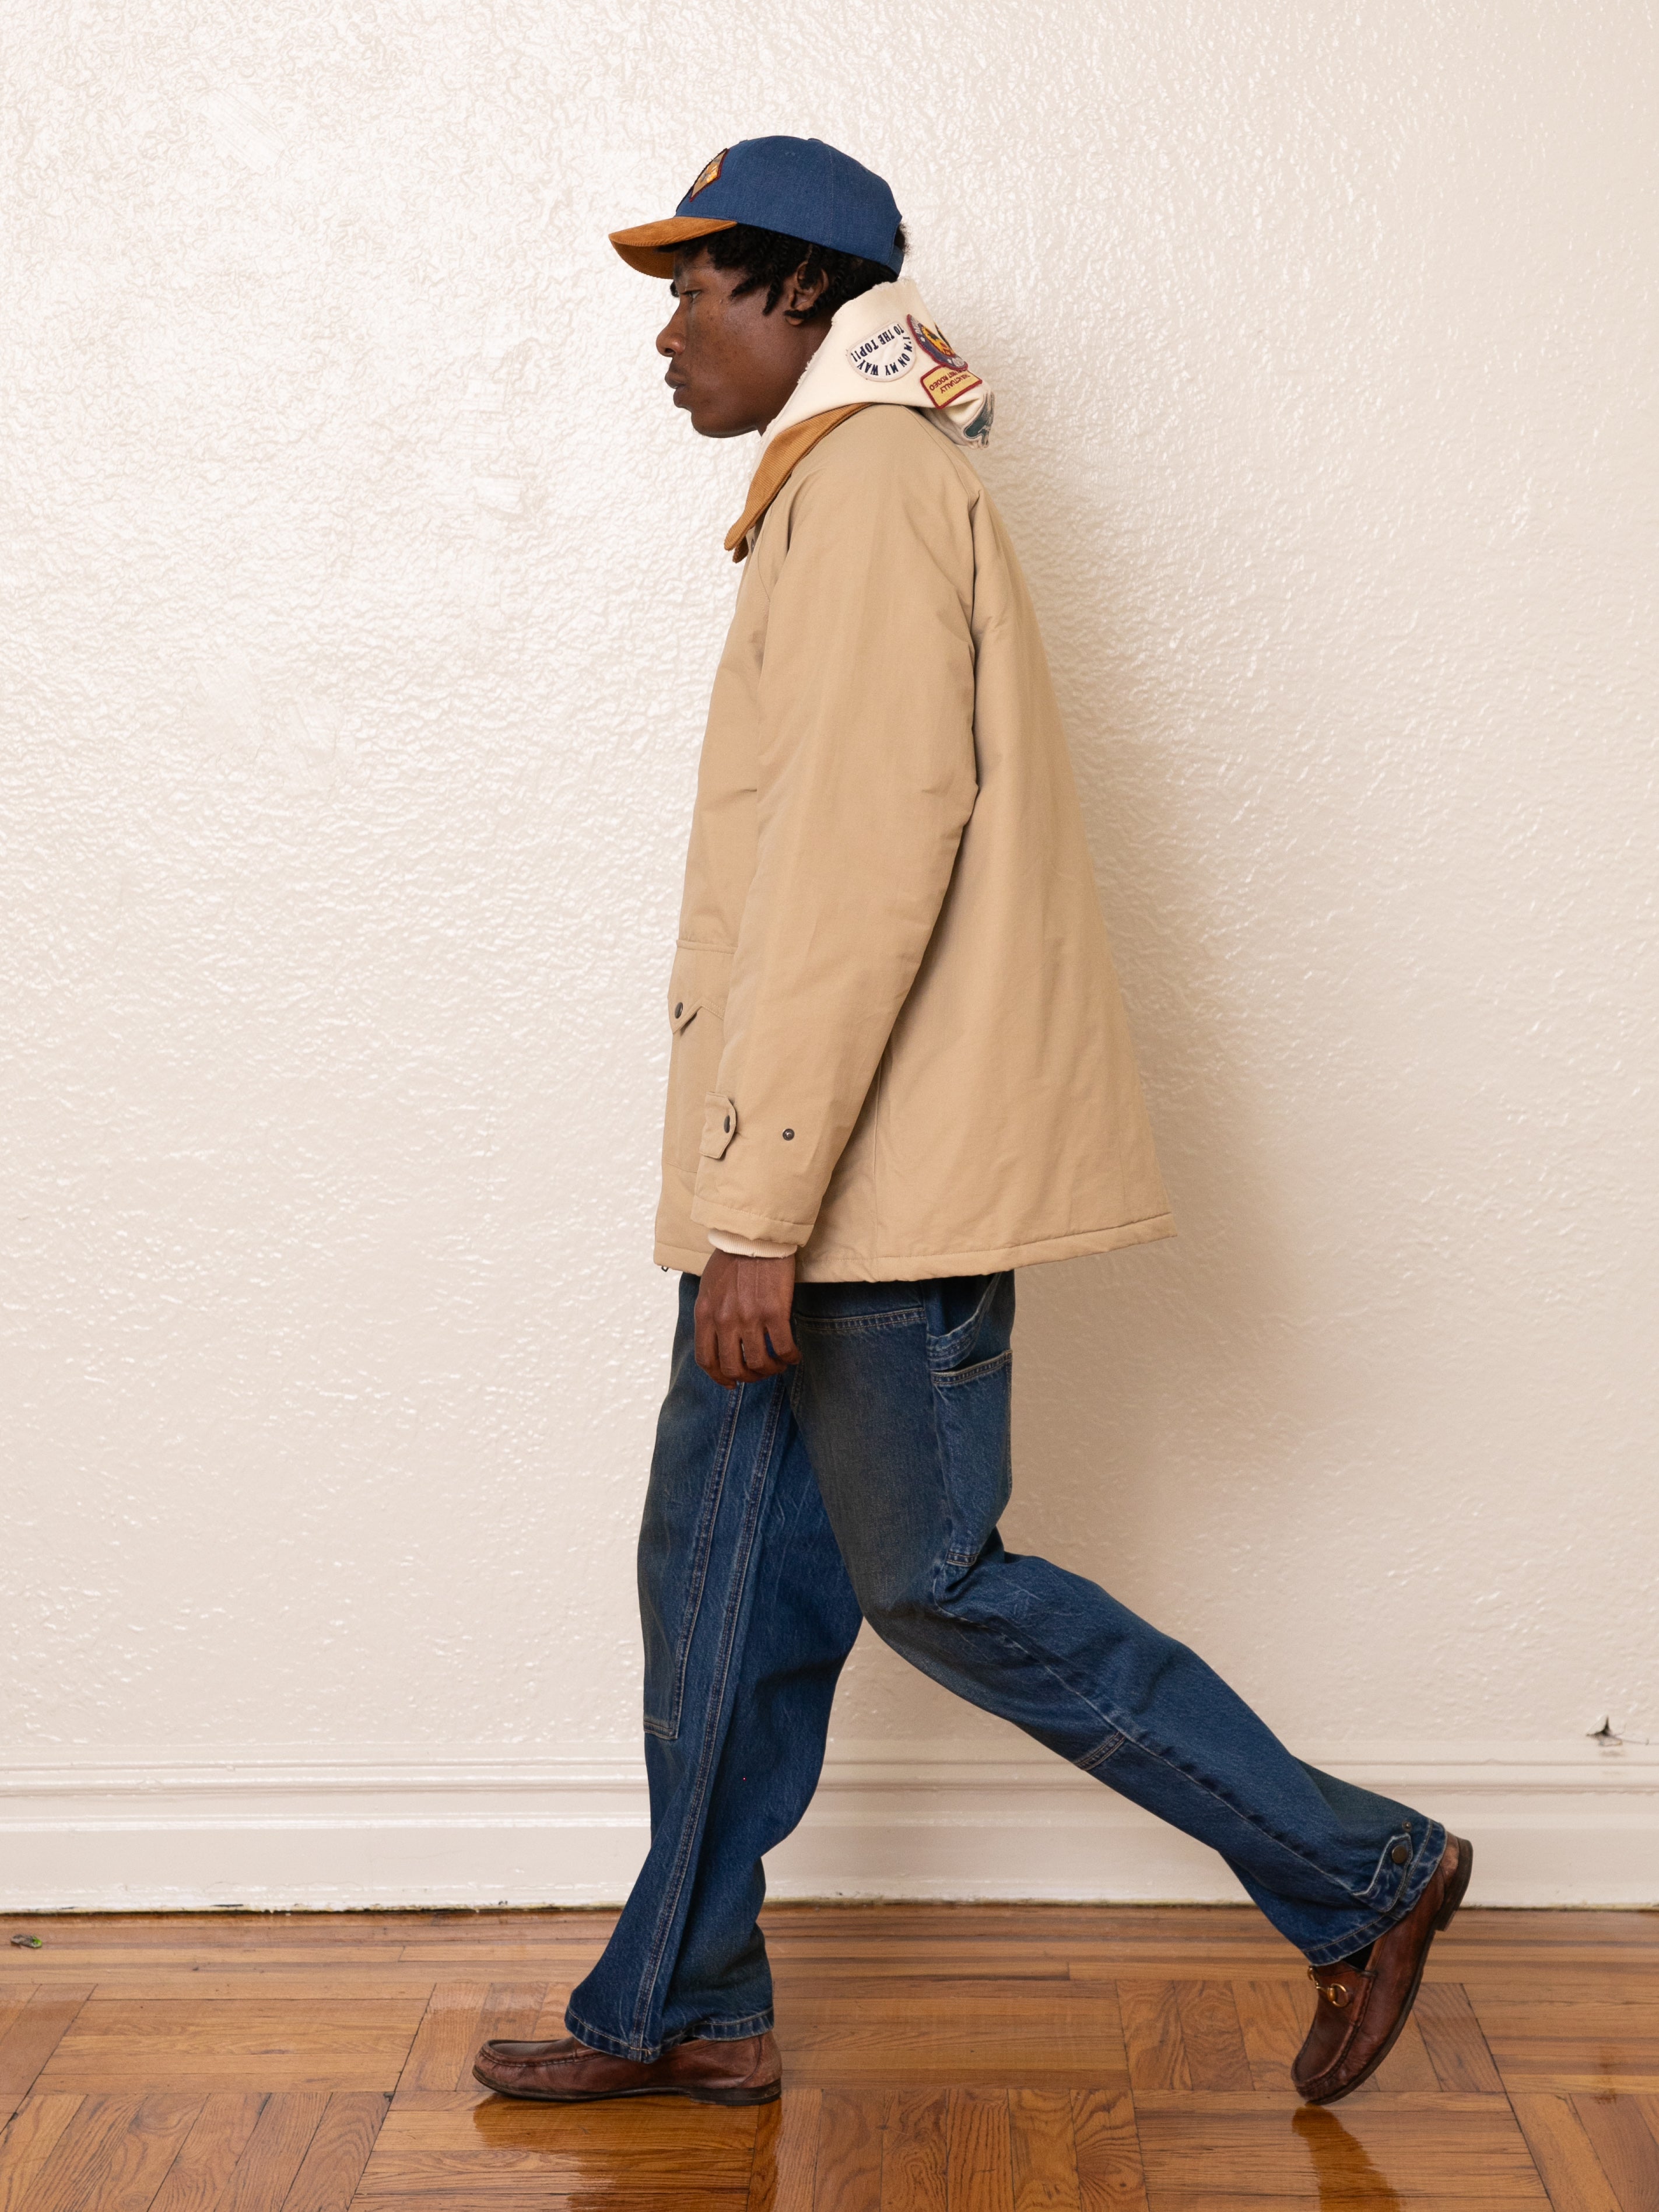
x: 669, y: 339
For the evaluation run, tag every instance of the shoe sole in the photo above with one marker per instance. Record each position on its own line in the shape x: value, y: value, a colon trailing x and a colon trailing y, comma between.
x: 766, y: 2094
x: 1442, y: 1920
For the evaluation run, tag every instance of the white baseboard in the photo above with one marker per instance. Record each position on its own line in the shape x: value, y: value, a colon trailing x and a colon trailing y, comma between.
x: 1553, y: 1823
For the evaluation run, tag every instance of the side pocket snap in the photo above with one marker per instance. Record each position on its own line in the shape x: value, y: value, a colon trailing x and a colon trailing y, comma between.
x: 719, y: 1125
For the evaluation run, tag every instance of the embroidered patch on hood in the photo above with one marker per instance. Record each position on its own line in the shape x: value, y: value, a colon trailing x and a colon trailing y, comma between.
x: 881, y: 348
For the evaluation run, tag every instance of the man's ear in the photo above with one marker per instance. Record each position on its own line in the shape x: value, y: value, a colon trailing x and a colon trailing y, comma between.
x: 805, y: 288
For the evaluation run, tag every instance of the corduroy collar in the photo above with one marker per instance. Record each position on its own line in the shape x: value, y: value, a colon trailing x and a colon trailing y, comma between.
x: 776, y: 464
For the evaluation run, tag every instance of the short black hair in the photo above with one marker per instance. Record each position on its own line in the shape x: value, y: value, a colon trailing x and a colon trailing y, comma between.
x: 769, y: 258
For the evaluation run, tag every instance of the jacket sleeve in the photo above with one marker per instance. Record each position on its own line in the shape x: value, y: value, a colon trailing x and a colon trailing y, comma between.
x: 865, y: 782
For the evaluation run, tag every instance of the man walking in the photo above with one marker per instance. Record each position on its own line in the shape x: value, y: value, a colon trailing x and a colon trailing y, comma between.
x: 900, y: 1071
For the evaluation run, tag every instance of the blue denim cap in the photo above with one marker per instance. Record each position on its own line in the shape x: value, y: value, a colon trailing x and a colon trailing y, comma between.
x: 799, y: 186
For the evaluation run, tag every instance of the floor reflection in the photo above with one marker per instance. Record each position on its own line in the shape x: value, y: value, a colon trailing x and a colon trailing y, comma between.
x: 1344, y: 2170
x: 585, y: 2158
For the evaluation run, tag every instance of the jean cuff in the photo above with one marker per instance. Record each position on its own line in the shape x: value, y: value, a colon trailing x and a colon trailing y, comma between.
x: 706, y: 2031
x: 1429, y: 1852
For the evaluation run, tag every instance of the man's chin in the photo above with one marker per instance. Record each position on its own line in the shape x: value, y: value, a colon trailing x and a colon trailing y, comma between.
x: 709, y: 422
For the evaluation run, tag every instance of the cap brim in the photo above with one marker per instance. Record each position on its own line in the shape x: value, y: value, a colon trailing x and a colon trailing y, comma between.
x: 650, y: 247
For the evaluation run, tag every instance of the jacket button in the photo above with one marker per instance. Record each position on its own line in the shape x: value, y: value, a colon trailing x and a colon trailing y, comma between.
x: 788, y: 1136
x: 728, y: 1125
x: 1400, y: 1853
x: 679, y: 1010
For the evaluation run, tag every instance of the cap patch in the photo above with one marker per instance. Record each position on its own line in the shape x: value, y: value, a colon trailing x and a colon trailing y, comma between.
x: 707, y: 174
x: 885, y: 353
x: 934, y: 344
x: 943, y: 385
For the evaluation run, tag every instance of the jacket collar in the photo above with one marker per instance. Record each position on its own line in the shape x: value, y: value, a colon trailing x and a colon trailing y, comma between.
x: 776, y: 463
x: 879, y: 350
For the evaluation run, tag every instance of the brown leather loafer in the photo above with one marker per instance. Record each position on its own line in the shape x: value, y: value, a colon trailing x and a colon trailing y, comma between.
x: 567, y: 2072
x: 1362, y: 2010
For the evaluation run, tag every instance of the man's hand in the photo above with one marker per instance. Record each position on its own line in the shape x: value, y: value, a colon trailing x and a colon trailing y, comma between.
x: 743, y: 1319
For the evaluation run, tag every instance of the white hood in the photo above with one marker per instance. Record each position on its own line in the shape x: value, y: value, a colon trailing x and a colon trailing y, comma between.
x: 881, y: 348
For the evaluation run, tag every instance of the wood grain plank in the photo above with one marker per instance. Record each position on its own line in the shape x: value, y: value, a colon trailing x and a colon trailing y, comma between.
x: 198, y: 2177
x: 1110, y: 2177
x: 444, y: 2042
x: 503, y: 2146
x: 848, y: 2175
x: 926, y: 2038
x: 618, y: 2193
x: 1340, y: 2167
x: 26, y: 2145
x: 114, y: 2154
x: 1456, y: 2045
x: 280, y: 2139
x: 1408, y: 2070
x: 1151, y: 2035
x: 782, y: 2174
x: 1210, y: 2036
x: 121, y: 2043
x: 1043, y: 2150
x: 1442, y: 2147
x: 998, y: 1962
x: 459, y: 2020
x: 1568, y: 2064
x: 1545, y: 2040
x: 915, y: 2153
x: 550, y: 2173
x: 1625, y: 2148
x: 1176, y: 1940
x: 337, y: 2153
x: 981, y: 2157
x: 459, y: 2017
x: 31, y: 2038
x: 1562, y: 2152
x: 189, y: 1985
x: 1273, y: 2019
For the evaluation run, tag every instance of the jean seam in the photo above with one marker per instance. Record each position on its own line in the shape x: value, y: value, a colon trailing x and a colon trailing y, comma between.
x: 1260, y: 1828
x: 1209, y: 1788
x: 964, y: 1330
x: 856, y: 1324
x: 729, y: 2031
x: 706, y: 2031
x: 1093, y: 1761
x: 948, y: 1378
x: 708, y: 1759
x: 667, y: 1731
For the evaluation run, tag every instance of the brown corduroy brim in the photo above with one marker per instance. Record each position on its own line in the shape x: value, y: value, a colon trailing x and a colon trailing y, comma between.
x: 650, y: 247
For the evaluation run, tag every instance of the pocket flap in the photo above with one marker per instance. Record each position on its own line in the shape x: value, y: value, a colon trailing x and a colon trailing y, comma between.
x: 719, y: 1125
x: 683, y: 1005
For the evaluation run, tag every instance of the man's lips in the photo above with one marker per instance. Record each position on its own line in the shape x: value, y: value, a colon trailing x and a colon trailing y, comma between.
x: 677, y: 384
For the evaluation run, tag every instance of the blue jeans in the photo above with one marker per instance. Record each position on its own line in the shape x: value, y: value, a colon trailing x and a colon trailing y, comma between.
x: 867, y: 1483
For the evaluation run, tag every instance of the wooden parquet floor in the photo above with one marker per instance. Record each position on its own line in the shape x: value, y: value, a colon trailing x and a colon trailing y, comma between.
x: 964, y: 2058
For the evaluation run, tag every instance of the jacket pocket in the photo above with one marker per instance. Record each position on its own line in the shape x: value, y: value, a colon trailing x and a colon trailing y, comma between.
x: 696, y: 1011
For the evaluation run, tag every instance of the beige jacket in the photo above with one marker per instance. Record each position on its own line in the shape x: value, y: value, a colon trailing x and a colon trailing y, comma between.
x: 897, y: 1039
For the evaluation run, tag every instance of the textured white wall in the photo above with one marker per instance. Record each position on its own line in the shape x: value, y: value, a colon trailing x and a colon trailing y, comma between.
x: 364, y: 595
